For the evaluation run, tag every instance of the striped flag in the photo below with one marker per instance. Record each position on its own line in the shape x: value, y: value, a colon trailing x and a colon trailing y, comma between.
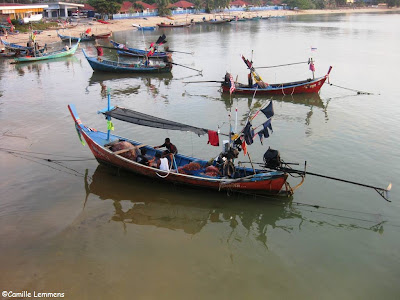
x: 313, y: 49
x: 232, y: 88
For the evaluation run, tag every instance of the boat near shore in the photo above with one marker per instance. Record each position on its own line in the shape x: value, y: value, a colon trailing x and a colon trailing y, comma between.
x: 66, y: 51
x: 120, y: 67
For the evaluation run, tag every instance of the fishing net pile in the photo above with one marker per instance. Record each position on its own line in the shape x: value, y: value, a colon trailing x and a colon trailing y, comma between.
x: 189, y: 168
x: 195, y: 168
x: 129, y: 154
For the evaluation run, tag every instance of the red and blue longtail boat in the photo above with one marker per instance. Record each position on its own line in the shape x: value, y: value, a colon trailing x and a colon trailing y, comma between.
x: 261, y: 88
x: 240, y: 179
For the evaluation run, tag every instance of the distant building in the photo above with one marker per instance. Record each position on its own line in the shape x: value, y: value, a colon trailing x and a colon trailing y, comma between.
x: 128, y: 7
x: 239, y: 3
x: 19, y: 11
x: 88, y: 10
x: 61, y: 9
x: 183, y: 5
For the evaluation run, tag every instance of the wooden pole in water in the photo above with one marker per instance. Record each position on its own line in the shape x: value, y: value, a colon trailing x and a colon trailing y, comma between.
x: 248, y: 154
x: 108, y: 117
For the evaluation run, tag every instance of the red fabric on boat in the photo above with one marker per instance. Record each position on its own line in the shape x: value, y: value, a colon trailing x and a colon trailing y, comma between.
x: 213, y: 138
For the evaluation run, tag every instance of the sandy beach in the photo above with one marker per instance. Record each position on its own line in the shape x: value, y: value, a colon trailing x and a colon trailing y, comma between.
x: 50, y: 36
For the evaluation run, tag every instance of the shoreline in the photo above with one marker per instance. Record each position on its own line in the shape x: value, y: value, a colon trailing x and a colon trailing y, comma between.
x: 50, y: 36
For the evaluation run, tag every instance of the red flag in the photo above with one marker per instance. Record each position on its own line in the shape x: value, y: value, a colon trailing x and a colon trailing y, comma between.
x: 99, y: 51
x: 8, y: 20
x: 312, y: 67
x: 88, y: 30
x: 244, y: 147
x: 247, y: 62
x: 151, y: 52
x: 232, y: 88
x: 213, y: 138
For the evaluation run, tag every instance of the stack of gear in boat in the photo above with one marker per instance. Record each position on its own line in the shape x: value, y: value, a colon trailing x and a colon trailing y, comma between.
x: 225, y: 160
x: 221, y: 166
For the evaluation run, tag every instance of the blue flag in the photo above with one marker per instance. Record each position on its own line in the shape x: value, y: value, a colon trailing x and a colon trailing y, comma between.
x: 268, y: 111
x: 248, y: 133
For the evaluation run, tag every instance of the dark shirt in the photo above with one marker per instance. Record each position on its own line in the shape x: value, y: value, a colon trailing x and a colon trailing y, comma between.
x: 141, y: 159
x: 171, y: 148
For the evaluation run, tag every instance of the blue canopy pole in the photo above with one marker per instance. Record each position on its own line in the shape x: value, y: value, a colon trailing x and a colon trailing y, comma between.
x: 108, y: 117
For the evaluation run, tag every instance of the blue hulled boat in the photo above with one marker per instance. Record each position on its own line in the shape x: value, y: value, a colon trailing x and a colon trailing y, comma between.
x: 118, y: 67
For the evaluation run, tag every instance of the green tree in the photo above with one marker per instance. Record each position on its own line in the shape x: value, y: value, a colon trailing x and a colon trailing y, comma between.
x: 105, y: 7
x: 301, y: 4
x: 137, y: 6
x: 393, y: 3
x: 210, y: 5
x: 197, y: 4
x: 221, y: 3
x: 163, y: 9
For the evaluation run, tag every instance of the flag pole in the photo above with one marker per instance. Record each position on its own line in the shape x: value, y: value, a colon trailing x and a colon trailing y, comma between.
x: 108, y: 117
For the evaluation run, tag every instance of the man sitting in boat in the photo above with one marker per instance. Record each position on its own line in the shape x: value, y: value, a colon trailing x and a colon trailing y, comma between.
x: 159, y: 162
x: 171, y: 149
x: 142, y: 159
x: 250, y: 79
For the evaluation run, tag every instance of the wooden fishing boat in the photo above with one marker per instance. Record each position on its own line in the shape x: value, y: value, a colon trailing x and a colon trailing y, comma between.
x: 241, y: 19
x: 102, y: 35
x: 49, y: 55
x: 261, y: 88
x: 244, y: 179
x: 125, y: 51
x: 170, y: 25
x: 62, y: 27
x: 83, y: 38
x: 289, y: 88
x: 214, y: 22
x: 16, y: 53
x: 13, y: 46
x: 11, y: 54
x: 119, y: 67
x: 146, y: 28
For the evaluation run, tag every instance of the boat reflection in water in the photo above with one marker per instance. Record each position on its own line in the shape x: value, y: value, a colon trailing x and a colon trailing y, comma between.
x: 129, y: 84
x: 141, y: 201
x: 311, y: 100
x: 39, y: 66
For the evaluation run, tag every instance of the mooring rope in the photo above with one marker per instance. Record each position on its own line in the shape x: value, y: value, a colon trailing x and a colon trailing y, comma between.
x: 302, y: 206
x: 26, y: 157
x: 303, y: 62
x: 23, y: 152
x: 357, y: 91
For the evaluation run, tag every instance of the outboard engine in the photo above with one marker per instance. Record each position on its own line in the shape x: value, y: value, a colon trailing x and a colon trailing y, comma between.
x: 272, y: 159
x: 227, y: 79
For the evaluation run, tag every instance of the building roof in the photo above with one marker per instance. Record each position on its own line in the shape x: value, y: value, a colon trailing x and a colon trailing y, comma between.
x: 126, y: 6
x: 239, y: 3
x: 183, y: 4
x: 5, y: 6
x: 11, y: 4
x: 145, y: 5
x: 88, y: 7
